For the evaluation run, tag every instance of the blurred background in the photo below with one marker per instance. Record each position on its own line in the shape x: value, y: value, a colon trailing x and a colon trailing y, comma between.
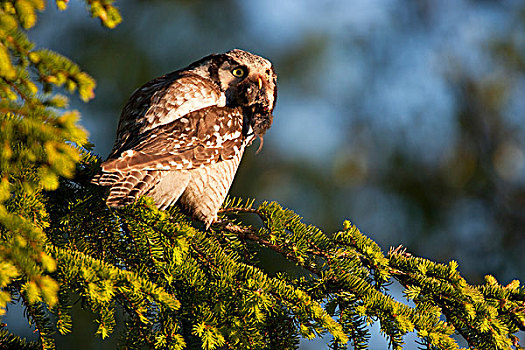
x: 406, y: 117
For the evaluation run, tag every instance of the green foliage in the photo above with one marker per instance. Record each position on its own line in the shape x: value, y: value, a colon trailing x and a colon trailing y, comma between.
x: 8, y: 340
x: 178, y: 285
x: 38, y: 145
x: 105, y: 11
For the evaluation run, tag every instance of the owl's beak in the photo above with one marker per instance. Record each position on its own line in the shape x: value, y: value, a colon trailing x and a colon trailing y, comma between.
x: 259, y: 80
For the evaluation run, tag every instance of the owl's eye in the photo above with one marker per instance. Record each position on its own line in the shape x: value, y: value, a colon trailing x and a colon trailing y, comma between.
x: 239, y: 72
x: 268, y: 75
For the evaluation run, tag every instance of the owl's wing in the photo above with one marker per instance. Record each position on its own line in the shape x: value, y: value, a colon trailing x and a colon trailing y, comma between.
x: 202, y: 137
x: 162, y: 101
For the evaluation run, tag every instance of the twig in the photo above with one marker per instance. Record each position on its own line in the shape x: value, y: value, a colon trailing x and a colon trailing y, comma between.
x: 239, y: 210
x: 250, y: 234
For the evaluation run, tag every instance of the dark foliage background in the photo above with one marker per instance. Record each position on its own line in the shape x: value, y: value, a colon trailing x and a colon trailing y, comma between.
x: 406, y: 117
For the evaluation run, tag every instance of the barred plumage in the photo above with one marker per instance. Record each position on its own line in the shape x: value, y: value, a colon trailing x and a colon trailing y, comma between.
x: 181, y: 136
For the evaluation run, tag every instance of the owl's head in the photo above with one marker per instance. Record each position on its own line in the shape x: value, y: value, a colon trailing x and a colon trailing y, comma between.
x: 247, y: 80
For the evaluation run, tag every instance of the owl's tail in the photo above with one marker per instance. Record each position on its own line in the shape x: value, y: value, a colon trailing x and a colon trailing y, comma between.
x: 127, y: 186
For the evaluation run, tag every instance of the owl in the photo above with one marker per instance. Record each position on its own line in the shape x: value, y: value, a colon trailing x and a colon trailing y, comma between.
x: 181, y: 136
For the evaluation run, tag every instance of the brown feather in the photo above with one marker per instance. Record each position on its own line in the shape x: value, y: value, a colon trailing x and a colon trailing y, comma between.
x: 181, y: 136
